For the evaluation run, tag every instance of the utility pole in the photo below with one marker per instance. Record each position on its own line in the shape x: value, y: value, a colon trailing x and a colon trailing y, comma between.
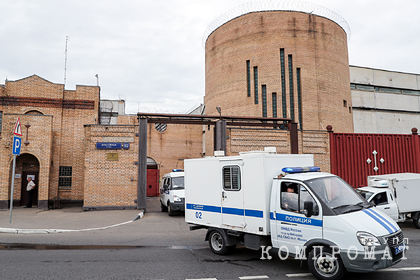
x: 65, y: 61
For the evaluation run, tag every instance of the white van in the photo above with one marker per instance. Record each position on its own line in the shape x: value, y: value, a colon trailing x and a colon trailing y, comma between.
x: 267, y: 200
x: 172, y: 192
x: 396, y: 195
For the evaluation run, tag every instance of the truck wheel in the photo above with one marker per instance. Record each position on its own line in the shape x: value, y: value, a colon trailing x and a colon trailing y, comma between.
x: 417, y: 223
x: 163, y: 208
x: 170, y: 212
x: 325, y: 266
x: 218, y: 244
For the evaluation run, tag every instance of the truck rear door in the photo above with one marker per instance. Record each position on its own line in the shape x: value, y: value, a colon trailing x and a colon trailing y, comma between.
x: 232, y: 194
x: 293, y: 227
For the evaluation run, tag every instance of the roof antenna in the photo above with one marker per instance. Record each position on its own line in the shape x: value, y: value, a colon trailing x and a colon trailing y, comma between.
x: 65, y: 61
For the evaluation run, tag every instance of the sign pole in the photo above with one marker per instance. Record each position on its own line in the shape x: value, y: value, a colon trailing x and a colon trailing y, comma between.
x: 17, y: 144
x: 13, y: 187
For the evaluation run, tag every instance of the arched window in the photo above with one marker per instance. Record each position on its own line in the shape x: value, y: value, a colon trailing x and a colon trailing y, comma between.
x: 33, y: 112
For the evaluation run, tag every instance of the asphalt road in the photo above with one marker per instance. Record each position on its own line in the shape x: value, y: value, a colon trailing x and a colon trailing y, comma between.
x: 158, y: 247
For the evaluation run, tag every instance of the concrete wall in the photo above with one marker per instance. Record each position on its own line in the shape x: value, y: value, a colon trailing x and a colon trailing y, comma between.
x: 375, y: 111
x: 369, y: 76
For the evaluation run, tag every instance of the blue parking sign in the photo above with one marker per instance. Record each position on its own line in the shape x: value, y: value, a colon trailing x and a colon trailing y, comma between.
x: 17, y: 143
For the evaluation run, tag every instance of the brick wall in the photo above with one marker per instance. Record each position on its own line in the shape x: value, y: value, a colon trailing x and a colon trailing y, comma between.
x: 114, y: 183
x: 319, y: 49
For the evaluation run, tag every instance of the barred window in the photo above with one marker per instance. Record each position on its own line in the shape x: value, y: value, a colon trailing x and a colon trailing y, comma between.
x: 64, y: 178
x: 231, y: 178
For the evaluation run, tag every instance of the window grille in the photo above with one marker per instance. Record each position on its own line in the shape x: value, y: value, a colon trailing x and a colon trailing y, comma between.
x: 64, y: 178
x: 231, y: 178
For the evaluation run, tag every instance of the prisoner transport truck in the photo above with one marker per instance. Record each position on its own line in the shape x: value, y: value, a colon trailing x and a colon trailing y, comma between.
x: 263, y: 199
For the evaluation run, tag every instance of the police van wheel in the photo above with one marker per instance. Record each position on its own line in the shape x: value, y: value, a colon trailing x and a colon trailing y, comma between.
x: 417, y: 223
x: 163, y: 208
x: 217, y: 243
x: 325, y: 266
x: 170, y: 212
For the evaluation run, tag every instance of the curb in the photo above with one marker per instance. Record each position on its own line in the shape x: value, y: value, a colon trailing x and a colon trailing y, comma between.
x: 43, y: 231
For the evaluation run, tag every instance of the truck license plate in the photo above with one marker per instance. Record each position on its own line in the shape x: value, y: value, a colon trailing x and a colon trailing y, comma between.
x: 399, y: 249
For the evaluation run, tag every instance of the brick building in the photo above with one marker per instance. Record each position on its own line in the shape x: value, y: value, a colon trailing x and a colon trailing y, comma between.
x: 55, y: 154
x: 63, y: 155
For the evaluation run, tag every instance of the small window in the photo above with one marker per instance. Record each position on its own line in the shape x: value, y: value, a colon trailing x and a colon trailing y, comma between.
x: 390, y: 90
x: 407, y: 91
x: 344, y: 103
x: 64, y: 178
x: 289, y: 196
x: 248, y: 78
x: 365, y: 87
x: 231, y: 178
x: 380, y: 199
x: 293, y: 197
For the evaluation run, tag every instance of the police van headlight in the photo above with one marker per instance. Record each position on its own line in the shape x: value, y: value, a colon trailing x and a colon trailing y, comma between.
x: 367, y: 239
x: 177, y: 198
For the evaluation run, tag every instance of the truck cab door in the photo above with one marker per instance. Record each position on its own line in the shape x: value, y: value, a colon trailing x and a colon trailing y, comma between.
x: 232, y: 194
x: 293, y: 227
x: 385, y: 202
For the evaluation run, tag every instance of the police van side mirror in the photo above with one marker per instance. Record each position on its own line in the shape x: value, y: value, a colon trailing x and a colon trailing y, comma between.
x: 165, y: 187
x: 308, y: 207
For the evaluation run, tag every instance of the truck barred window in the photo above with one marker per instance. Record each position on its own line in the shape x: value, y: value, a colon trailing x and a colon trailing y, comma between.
x: 231, y: 178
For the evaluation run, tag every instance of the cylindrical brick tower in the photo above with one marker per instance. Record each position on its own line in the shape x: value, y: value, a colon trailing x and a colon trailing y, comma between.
x: 280, y: 62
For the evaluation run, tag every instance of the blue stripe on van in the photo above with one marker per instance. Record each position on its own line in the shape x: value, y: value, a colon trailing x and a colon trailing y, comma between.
x: 298, y: 220
x: 233, y: 211
x: 205, y: 208
x: 226, y: 210
x: 378, y: 220
x: 254, y: 213
x: 384, y: 220
x: 272, y: 216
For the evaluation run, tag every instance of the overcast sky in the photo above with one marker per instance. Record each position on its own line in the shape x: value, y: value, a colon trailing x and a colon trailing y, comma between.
x: 150, y: 53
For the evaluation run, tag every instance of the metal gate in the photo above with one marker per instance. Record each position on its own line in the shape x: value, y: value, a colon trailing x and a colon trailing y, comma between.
x: 354, y: 156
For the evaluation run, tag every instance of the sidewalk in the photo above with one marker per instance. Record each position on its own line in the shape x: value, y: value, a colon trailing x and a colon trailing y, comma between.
x: 34, y: 220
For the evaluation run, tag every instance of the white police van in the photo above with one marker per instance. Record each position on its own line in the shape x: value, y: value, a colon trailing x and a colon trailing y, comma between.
x: 255, y: 199
x: 172, y: 192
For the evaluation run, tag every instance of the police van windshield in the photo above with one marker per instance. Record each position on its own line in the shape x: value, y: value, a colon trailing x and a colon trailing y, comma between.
x: 337, y: 195
x: 177, y: 183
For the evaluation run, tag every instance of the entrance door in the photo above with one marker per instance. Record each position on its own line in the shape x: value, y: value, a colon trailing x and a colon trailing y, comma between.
x: 152, y: 182
x: 233, y: 213
x: 23, y: 192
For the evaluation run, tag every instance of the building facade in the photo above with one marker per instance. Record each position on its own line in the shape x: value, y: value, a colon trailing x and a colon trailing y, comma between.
x: 384, y: 101
x: 55, y: 153
x: 271, y: 62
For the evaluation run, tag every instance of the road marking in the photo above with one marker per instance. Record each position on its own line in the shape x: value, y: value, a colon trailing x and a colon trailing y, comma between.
x: 203, y: 279
x: 384, y: 270
x: 299, y: 275
x: 253, y: 277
